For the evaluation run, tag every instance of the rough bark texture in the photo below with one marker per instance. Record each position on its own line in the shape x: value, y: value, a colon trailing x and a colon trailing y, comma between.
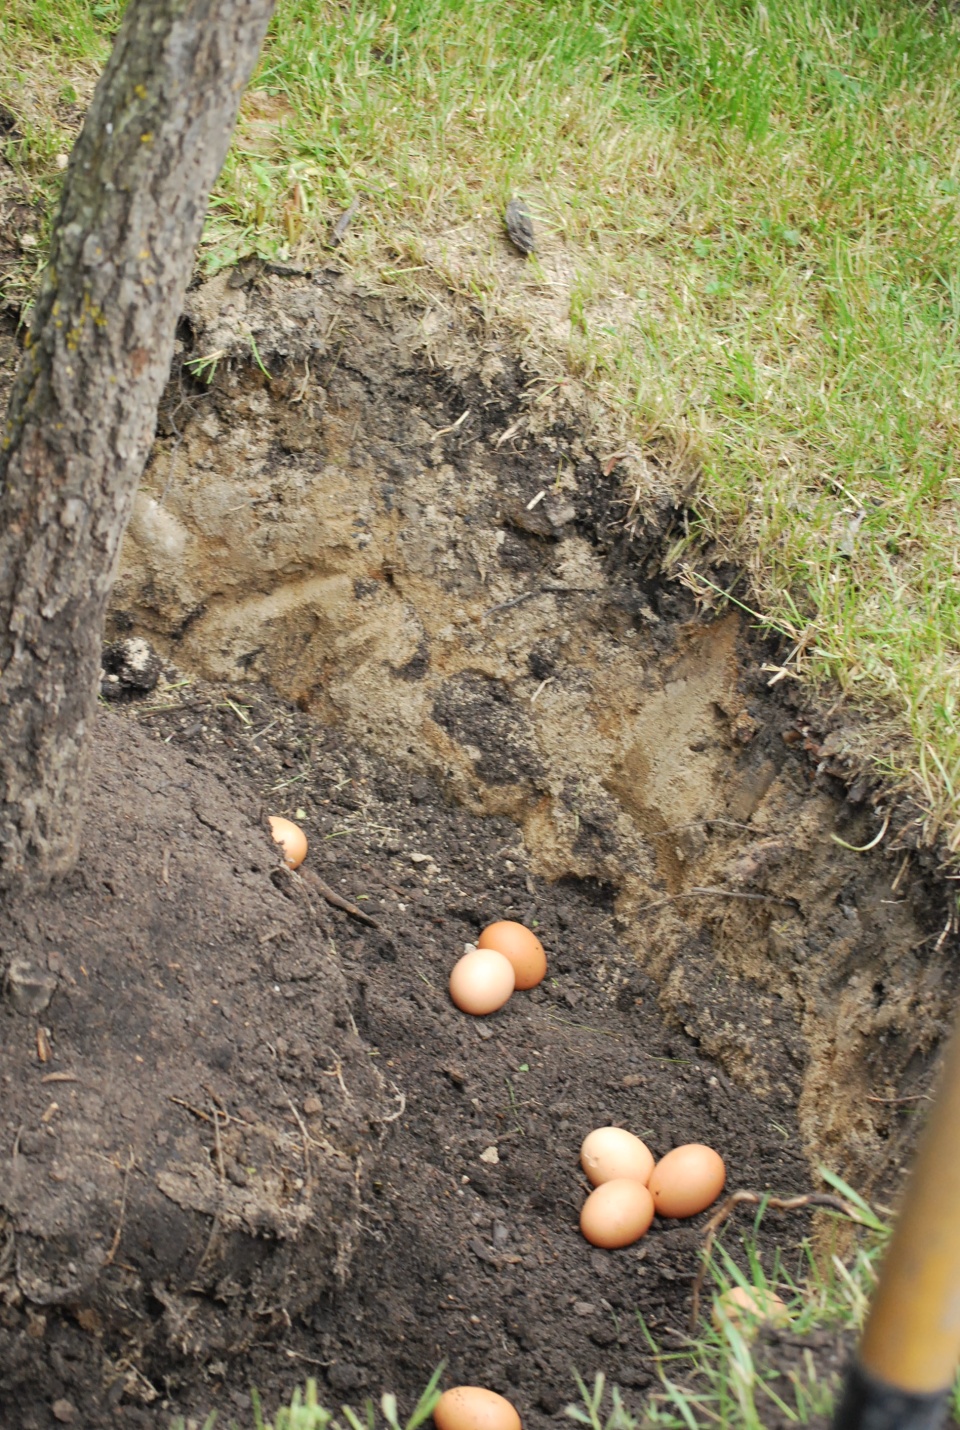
x: 84, y: 407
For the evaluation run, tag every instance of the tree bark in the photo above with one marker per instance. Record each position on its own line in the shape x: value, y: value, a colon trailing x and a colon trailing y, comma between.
x: 84, y: 406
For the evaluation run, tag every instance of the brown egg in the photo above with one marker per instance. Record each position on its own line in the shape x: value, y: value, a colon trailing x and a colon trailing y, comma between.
x: 687, y: 1180
x: 291, y: 838
x: 482, y: 981
x: 748, y: 1309
x: 470, y: 1407
x: 523, y: 948
x: 614, y: 1152
x: 616, y: 1213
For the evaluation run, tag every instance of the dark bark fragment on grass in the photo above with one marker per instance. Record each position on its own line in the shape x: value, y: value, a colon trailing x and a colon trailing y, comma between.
x: 83, y: 409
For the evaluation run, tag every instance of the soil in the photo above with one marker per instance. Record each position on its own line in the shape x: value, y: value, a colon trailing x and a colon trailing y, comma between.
x: 252, y: 1124
x: 246, y: 1136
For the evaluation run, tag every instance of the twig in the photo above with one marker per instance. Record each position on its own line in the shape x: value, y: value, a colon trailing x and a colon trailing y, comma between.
x: 756, y: 1199
x: 864, y: 848
x: 337, y: 1072
x: 702, y: 824
x: 332, y: 897
x: 508, y: 605
x: 402, y: 1100
x: 216, y: 1137
x: 306, y: 1143
x: 914, y: 1097
x: 549, y: 590
x: 716, y: 893
x: 195, y: 1110
x: 339, y: 230
x: 115, y: 1244
x: 453, y: 427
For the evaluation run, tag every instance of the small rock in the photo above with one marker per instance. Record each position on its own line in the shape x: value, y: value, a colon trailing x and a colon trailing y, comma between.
x: 583, y: 1308
x: 743, y: 727
x: 482, y: 1252
x: 490, y: 1155
x: 130, y: 668
x: 484, y: 1032
x: 237, y: 1174
x: 603, y: 1336
x: 345, y: 1377
x: 635, y: 1377
x: 64, y: 1411
x: 519, y: 225
x: 312, y: 1105
x: 419, y: 858
x: 501, y: 1235
x: 29, y: 990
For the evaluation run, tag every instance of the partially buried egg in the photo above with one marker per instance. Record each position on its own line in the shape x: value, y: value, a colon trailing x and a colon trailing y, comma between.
x: 747, y: 1309
x: 616, y: 1213
x: 687, y: 1180
x: 614, y: 1152
x: 291, y: 838
x: 523, y: 948
x: 470, y: 1407
x: 482, y: 981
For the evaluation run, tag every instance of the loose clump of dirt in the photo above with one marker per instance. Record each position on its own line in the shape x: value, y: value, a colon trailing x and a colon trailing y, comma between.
x: 248, y: 1138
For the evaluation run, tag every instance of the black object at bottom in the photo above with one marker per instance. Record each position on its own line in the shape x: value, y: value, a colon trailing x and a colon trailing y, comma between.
x: 869, y: 1403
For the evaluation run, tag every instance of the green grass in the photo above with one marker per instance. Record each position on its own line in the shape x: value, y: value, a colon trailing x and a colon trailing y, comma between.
x: 752, y: 252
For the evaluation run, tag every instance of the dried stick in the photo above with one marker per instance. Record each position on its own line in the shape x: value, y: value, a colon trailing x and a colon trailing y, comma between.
x: 115, y: 1244
x: 337, y: 900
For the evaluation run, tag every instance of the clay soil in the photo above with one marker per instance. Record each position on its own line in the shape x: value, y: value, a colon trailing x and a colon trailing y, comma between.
x: 246, y: 1136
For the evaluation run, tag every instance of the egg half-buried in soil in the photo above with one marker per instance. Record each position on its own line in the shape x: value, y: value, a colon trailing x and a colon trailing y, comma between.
x: 523, y: 948
x: 687, y: 1180
x: 482, y: 981
x: 291, y: 838
x: 470, y: 1407
x: 616, y: 1213
x: 614, y: 1152
x: 749, y: 1309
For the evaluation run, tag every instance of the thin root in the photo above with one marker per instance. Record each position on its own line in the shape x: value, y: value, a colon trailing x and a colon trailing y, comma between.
x: 755, y: 1199
x: 864, y: 848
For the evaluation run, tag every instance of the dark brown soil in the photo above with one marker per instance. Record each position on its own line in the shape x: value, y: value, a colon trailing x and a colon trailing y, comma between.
x: 170, y: 1240
x: 246, y: 1136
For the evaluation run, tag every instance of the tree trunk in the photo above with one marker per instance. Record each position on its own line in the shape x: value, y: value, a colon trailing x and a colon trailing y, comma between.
x: 84, y: 407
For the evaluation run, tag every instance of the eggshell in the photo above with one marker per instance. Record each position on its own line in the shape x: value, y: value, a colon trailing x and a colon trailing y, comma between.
x: 470, y: 1407
x: 614, y: 1152
x: 523, y: 948
x: 291, y: 838
x: 482, y: 981
x: 616, y: 1213
x: 748, y: 1309
x: 687, y: 1180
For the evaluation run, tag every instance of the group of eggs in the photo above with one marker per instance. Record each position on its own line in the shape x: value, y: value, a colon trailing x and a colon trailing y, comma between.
x: 506, y: 956
x: 629, y: 1186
